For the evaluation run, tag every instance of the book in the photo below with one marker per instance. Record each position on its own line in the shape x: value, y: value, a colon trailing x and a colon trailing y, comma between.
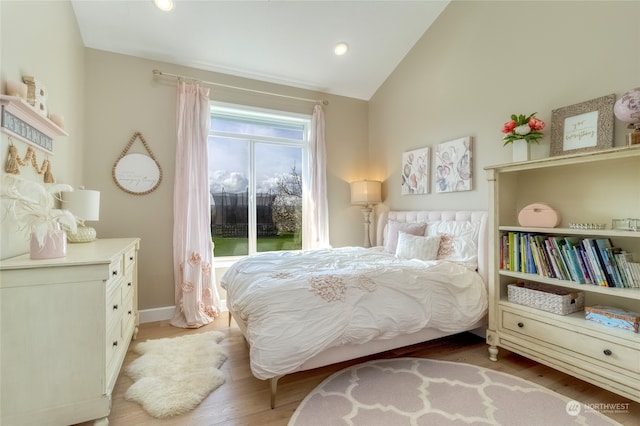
x: 557, y: 254
x: 635, y: 270
x: 558, y: 243
x: 603, y: 244
x: 594, y: 260
x: 587, y: 265
x: 552, y: 258
x: 613, y: 253
x: 544, y: 256
x: 622, y: 258
x: 576, y: 271
x: 513, y: 250
x: 577, y: 251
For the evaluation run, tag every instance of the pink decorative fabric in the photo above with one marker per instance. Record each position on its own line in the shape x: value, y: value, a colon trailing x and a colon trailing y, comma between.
x: 393, y: 230
x: 196, y: 295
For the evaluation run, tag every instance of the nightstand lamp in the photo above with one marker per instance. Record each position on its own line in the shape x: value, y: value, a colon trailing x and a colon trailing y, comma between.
x: 366, y: 193
x: 85, y: 205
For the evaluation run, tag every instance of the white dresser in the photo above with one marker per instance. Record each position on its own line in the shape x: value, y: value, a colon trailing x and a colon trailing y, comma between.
x: 66, y: 324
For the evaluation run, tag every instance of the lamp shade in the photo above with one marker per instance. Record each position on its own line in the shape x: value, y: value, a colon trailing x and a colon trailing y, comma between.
x: 366, y: 192
x: 83, y: 203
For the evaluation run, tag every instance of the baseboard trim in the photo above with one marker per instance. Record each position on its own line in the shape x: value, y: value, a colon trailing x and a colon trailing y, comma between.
x: 156, y: 314
x: 166, y: 313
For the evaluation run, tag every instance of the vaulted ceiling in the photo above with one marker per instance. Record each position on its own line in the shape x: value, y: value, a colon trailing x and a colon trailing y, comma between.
x: 285, y: 42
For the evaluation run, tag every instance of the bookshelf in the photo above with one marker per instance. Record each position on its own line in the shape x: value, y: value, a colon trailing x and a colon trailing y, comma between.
x: 593, y: 187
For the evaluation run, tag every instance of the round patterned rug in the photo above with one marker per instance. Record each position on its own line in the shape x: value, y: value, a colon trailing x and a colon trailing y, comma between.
x: 418, y: 391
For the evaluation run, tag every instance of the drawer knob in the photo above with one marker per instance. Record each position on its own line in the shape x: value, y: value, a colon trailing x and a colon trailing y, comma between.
x: 115, y: 307
x: 131, y: 258
x: 115, y: 343
x: 129, y: 284
x: 114, y: 273
x: 607, y: 352
x: 129, y: 312
x: 521, y: 324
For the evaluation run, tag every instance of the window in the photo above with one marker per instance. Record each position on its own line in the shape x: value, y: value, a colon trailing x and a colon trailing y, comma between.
x: 256, y: 166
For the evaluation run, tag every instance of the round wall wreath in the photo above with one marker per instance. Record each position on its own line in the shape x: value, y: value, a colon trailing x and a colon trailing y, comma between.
x: 137, y: 174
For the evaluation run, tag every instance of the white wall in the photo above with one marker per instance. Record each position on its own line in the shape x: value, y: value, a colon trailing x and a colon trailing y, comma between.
x: 483, y: 61
x: 41, y: 39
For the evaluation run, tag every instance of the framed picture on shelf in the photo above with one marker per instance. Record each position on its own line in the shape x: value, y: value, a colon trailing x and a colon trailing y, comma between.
x: 583, y: 127
x: 453, y: 165
x: 415, y: 171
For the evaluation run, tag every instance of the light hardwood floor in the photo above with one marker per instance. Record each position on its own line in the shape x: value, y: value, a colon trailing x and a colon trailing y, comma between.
x: 244, y: 400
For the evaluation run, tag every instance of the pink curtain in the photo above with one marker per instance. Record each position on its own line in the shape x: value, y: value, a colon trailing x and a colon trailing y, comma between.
x: 196, y: 295
x: 315, y: 232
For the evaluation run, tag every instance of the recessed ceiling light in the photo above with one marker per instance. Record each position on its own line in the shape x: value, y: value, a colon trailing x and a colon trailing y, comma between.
x: 341, y: 49
x: 165, y: 5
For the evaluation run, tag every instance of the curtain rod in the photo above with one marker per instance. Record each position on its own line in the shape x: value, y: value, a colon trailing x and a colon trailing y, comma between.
x: 318, y: 101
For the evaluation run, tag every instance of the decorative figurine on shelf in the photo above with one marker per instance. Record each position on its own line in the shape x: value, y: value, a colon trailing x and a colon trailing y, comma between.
x: 36, y: 94
x: 627, y: 109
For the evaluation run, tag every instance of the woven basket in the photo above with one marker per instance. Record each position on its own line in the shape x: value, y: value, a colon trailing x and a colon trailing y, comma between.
x: 557, y: 300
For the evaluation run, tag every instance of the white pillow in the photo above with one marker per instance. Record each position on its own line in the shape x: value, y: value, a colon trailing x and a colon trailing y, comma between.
x: 417, y: 247
x: 393, y: 227
x: 458, y: 243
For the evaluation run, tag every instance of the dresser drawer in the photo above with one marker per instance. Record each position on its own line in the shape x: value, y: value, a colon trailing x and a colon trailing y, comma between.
x: 115, y: 271
x: 594, y: 347
x: 114, y: 344
x: 114, y: 308
x: 127, y: 287
x: 128, y: 318
x: 129, y: 258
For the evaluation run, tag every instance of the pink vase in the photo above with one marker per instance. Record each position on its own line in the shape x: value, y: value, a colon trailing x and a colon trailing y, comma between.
x: 55, y: 245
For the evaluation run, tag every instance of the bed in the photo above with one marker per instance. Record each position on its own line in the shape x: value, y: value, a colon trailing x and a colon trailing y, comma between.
x: 424, y: 280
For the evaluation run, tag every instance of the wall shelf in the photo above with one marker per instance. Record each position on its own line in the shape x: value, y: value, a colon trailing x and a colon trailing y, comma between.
x: 20, y: 120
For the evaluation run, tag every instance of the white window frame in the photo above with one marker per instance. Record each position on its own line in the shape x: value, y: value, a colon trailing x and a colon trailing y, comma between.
x: 267, y: 115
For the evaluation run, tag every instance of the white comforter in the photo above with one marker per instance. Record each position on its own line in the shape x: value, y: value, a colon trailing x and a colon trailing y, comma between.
x: 296, y: 304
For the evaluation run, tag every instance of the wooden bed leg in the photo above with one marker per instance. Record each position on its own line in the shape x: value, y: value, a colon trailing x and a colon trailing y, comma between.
x: 229, y: 324
x: 274, y: 387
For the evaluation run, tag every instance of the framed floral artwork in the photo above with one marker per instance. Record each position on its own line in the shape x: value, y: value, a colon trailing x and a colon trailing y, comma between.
x: 453, y: 167
x: 415, y: 171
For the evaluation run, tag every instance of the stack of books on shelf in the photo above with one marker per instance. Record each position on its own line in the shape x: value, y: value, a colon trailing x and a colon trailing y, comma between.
x: 583, y: 260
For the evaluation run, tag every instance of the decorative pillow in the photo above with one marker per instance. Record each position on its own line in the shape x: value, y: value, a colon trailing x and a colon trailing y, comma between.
x: 393, y: 227
x: 417, y: 247
x: 458, y: 242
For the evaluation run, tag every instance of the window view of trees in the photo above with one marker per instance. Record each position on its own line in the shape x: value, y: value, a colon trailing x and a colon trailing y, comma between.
x: 256, y: 183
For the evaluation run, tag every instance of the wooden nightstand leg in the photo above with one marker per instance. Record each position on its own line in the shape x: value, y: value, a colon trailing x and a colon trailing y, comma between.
x: 493, y: 353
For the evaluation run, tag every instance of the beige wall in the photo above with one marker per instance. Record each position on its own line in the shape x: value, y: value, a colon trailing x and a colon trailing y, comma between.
x: 122, y: 96
x: 41, y: 39
x: 479, y: 63
x: 483, y: 61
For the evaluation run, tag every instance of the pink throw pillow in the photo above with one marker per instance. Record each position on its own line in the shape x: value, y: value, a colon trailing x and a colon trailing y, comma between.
x: 393, y: 228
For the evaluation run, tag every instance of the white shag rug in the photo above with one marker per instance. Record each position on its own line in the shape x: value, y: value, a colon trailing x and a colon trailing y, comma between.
x: 174, y: 375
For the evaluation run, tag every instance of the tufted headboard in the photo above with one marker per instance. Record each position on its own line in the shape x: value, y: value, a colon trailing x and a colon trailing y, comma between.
x: 430, y: 216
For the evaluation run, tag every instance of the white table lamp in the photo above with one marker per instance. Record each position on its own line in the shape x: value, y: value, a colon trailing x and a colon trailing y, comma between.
x: 366, y: 193
x: 85, y: 205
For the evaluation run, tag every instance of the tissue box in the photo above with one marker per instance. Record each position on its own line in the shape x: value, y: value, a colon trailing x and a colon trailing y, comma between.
x: 613, y: 317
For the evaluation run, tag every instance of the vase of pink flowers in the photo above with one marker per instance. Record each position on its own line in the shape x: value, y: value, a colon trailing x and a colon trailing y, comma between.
x: 521, y: 131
